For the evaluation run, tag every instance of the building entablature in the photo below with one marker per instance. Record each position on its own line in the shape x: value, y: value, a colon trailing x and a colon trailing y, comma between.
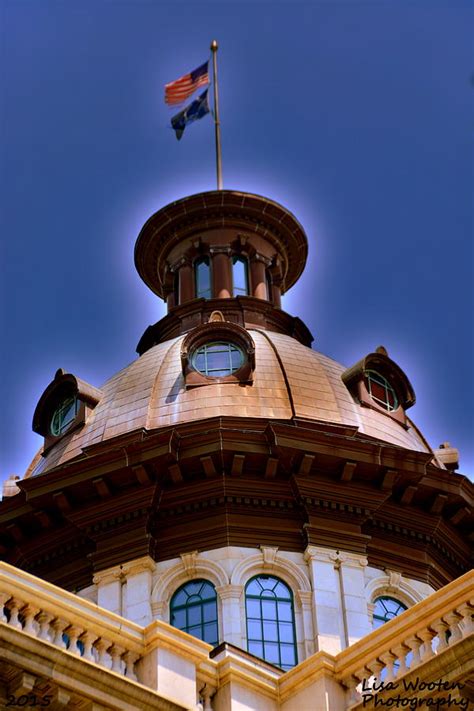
x: 285, y: 485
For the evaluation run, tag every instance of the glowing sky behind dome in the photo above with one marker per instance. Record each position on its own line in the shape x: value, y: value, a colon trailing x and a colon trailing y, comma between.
x: 356, y: 116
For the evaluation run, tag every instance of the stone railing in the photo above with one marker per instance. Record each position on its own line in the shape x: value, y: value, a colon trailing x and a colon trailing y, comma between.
x: 178, y: 667
x: 409, y: 640
x: 161, y: 658
x: 69, y: 622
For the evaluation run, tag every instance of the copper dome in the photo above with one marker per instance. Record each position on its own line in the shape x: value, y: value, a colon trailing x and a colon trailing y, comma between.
x: 291, y: 381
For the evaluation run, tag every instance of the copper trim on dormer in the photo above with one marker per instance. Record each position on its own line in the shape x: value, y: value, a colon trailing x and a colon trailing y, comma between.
x: 216, y: 331
x: 380, y: 362
x: 64, y: 385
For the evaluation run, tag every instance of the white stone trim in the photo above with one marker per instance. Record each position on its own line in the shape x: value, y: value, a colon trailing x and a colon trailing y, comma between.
x: 277, y: 565
x: 393, y: 585
x: 191, y: 566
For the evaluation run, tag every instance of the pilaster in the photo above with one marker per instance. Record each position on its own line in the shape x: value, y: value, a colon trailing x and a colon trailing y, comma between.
x: 109, y: 589
x: 305, y: 599
x: 138, y: 574
x: 327, y: 609
x: 352, y: 572
x: 230, y: 597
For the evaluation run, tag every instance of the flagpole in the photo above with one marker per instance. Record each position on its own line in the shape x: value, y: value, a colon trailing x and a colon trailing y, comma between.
x: 217, y: 124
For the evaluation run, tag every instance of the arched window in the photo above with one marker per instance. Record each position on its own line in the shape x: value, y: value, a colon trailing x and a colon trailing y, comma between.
x: 202, y: 276
x: 386, y: 608
x: 176, y: 288
x: 240, y: 280
x: 268, y: 282
x: 193, y: 609
x: 271, y: 621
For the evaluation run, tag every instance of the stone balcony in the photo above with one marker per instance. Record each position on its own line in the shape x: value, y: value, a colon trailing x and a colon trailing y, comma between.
x: 63, y: 652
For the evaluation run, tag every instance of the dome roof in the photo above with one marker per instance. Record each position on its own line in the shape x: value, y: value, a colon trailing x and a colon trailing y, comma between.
x: 290, y: 381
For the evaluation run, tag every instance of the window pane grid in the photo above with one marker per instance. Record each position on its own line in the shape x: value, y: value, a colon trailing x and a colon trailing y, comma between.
x: 193, y: 609
x: 64, y: 415
x: 218, y: 359
x: 386, y: 608
x: 380, y: 390
x: 270, y: 621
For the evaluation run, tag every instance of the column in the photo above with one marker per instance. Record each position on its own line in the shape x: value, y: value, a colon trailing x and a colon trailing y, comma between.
x: 109, y: 589
x: 352, y: 572
x: 276, y: 293
x: 221, y: 272
x: 327, y: 610
x: 231, y: 622
x: 186, y: 282
x: 170, y: 300
x: 258, y: 279
x: 138, y: 575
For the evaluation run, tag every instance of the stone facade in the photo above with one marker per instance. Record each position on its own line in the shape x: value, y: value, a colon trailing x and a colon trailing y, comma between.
x: 333, y: 591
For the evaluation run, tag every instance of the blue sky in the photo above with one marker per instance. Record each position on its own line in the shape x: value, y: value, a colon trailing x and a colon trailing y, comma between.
x: 356, y: 116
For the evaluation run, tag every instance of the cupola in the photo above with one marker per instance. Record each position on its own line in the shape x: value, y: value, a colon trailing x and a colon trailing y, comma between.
x: 226, y: 250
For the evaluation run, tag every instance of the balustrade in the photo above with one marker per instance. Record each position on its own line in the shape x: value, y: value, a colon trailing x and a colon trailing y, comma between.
x: 66, y: 634
x: 387, y: 661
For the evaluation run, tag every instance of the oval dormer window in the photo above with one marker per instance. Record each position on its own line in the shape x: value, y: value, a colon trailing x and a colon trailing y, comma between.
x: 64, y: 415
x: 380, y: 390
x: 217, y: 359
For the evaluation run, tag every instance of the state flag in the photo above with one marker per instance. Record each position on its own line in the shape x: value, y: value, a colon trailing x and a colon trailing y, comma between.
x: 196, y: 110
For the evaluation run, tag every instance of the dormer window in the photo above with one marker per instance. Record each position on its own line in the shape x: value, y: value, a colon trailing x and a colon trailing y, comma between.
x: 64, y: 406
x: 380, y: 390
x: 240, y: 280
x: 202, y: 277
x: 378, y: 382
x: 64, y: 414
x: 218, y: 352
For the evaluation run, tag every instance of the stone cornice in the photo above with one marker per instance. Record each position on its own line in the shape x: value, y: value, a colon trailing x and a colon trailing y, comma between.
x: 90, y: 533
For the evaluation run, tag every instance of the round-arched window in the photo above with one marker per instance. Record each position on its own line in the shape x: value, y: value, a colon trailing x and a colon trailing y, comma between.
x: 271, y: 621
x: 386, y: 608
x: 64, y: 414
x: 217, y: 359
x: 380, y: 390
x: 202, y: 276
x: 193, y: 609
x: 240, y: 280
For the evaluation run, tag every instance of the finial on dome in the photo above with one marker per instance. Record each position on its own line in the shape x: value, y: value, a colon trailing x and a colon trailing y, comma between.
x: 382, y: 350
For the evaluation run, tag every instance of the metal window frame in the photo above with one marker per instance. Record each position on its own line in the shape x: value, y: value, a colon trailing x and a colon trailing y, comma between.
x: 374, y: 376
x: 58, y: 424
x: 188, y: 605
x: 260, y: 598
x: 228, y: 347
x: 202, y: 293
x: 237, y: 291
x: 381, y: 599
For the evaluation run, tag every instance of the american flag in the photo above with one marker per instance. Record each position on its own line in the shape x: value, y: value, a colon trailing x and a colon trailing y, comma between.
x: 179, y: 90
